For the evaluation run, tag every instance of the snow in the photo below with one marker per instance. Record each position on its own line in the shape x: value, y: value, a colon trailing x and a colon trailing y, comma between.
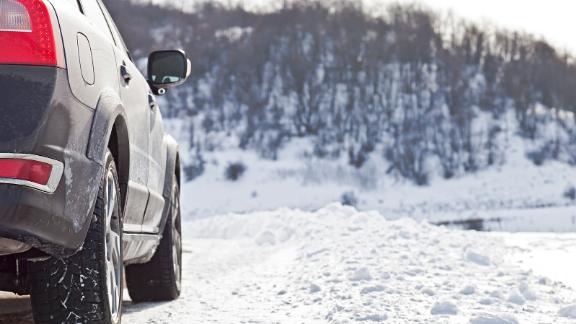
x: 517, y: 196
x: 468, y: 290
x: 549, y: 255
x: 478, y: 258
x: 516, y: 298
x: 361, y: 274
x: 493, y: 319
x: 569, y: 312
x: 233, y: 34
x: 446, y: 308
x: 340, y: 265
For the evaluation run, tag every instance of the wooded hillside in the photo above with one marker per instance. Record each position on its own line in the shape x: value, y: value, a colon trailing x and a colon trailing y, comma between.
x: 429, y: 93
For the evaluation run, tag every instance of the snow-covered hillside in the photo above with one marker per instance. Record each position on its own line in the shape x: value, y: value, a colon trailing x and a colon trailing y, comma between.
x: 516, y: 196
x: 431, y: 95
x: 338, y: 265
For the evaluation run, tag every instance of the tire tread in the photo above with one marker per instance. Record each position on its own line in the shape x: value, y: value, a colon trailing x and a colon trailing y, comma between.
x: 73, y: 290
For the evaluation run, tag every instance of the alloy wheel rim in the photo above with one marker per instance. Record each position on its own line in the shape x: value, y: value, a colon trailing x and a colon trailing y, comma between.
x: 112, y: 247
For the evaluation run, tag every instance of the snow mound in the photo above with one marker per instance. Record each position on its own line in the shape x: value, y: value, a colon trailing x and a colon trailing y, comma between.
x: 444, y: 308
x: 468, y: 290
x: 361, y: 274
x: 339, y: 265
x: 516, y: 298
x: 314, y: 288
x: 527, y: 292
x: 568, y: 312
x: 477, y: 258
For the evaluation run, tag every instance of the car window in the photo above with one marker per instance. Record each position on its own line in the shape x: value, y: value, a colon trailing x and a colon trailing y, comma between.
x: 117, y: 36
x: 94, y: 13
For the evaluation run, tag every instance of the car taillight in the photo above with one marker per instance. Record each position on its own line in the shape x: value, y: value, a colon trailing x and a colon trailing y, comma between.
x: 26, y: 34
x: 26, y: 170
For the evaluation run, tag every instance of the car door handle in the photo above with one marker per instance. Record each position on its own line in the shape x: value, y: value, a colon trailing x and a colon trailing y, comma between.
x: 151, y: 101
x: 126, y: 76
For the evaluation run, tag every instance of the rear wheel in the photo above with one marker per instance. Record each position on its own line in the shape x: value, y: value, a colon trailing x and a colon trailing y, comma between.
x: 160, y: 279
x: 86, y: 287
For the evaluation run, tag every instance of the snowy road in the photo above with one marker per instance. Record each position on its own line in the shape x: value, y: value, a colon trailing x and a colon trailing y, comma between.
x: 341, y: 266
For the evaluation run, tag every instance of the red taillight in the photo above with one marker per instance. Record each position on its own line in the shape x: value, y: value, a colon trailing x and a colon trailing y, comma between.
x: 25, y: 170
x: 26, y: 34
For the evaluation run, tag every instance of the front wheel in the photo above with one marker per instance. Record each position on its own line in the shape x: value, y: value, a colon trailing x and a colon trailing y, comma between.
x: 160, y: 278
x: 86, y: 287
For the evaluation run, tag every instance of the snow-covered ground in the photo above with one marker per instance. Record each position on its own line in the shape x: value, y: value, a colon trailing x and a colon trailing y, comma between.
x: 338, y: 265
x: 516, y: 196
x: 246, y: 261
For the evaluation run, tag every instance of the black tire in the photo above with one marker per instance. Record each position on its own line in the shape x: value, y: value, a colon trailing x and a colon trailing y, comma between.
x: 76, y: 289
x: 160, y: 278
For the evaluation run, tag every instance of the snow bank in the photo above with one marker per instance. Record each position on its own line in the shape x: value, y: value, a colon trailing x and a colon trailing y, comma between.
x: 338, y: 265
x: 519, y: 195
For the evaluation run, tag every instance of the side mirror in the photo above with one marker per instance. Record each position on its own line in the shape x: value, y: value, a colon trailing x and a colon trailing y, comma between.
x: 167, y: 69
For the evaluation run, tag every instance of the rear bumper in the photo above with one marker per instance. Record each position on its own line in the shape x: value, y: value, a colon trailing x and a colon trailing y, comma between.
x: 40, y: 117
x: 54, y: 223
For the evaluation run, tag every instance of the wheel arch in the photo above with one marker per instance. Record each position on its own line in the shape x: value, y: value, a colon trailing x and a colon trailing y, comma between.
x: 119, y: 145
x: 110, y: 131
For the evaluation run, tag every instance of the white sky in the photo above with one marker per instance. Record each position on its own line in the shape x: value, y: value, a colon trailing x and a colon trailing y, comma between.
x: 555, y: 20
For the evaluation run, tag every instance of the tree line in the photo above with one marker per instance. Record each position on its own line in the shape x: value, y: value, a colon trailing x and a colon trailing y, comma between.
x: 427, y: 92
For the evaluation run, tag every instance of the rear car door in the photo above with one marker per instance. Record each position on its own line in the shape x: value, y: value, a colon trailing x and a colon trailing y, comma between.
x: 133, y: 91
x: 157, y: 171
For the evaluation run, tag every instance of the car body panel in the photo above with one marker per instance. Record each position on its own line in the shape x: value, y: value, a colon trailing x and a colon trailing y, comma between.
x: 72, y: 23
x: 52, y: 123
x: 70, y: 114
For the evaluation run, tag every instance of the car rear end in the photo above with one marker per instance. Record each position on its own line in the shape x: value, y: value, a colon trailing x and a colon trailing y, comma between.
x: 47, y: 182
